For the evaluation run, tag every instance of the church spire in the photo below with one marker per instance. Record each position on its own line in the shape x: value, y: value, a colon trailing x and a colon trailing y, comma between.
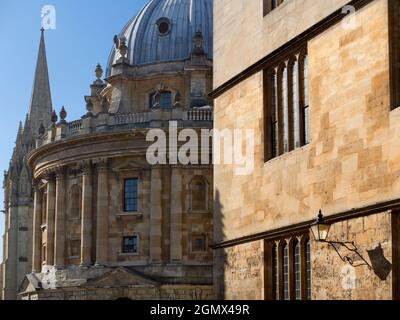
x: 40, y: 107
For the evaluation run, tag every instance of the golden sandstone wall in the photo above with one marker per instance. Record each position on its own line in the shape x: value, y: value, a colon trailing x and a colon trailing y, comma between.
x: 353, y: 158
x: 242, y: 36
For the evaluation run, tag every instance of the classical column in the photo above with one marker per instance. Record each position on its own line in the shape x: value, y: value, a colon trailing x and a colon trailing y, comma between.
x: 86, y: 225
x: 176, y: 216
x: 156, y: 216
x: 59, y: 246
x: 37, y: 231
x: 50, y: 212
x: 102, y: 213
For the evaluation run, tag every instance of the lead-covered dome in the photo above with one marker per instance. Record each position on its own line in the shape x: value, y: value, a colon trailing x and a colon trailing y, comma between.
x: 164, y: 30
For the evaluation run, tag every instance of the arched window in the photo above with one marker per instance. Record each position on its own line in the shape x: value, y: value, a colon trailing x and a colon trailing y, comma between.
x: 274, y: 129
x: 297, y: 270
x: 275, y: 270
x: 285, y: 250
x: 75, y: 201
x: 198, y: 194
x: 295, y: 104
x: 284, y: 99
x: 308, y: 268
x: 162, y: 98
x: 286, y: 105
x: 288, y: 268
x: 306, y: 102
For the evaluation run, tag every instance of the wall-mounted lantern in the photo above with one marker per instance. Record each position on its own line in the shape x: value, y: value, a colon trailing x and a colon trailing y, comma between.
x: 320, y: 230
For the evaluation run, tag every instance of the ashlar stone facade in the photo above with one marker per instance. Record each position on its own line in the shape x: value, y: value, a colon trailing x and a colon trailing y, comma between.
x: 349, y: 170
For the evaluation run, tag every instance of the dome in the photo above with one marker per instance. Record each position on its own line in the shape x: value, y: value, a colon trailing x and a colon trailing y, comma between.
x: 164, y: 30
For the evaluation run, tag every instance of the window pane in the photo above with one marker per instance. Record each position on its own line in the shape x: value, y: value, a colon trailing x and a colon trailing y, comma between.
x: 274, y: 113
x: 295, y: 90
x: 130, y: 244
x: 286, y: 272
x: 285, y: 106
x: 166, y: 100
x: 306, y: 101
x: 297, y: 270
x: 131, y: 195
x: 308, y: 269
x: 275, y: 272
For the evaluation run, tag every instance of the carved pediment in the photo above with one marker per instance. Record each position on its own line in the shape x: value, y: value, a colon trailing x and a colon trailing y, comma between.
x: 121, y: 277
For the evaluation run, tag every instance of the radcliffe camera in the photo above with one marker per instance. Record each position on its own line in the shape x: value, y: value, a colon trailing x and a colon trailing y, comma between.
x: 191, y: 158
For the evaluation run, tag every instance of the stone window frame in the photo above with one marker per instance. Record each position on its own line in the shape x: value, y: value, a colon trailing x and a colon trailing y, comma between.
x: 131, y: 235
x: 271, y: 5
x: 206, y: 210
x: 279, y: 105
x: 274, y: 283
x: 74, y: 239
x: 124, y: 208
x: 394, y: 53
x: 192, y: 239
x: 70, y: 202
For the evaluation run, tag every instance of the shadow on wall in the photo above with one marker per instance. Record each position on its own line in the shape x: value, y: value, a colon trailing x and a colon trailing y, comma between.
x: 382, y: 267
x: 220, y: 257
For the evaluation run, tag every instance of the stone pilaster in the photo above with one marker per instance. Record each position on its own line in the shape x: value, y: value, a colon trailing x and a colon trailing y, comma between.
x: 86, y: 225
x: 50, y: 222
x: 176, y: 216
x: 37, y: 232
x: 156, y: 216
x: 60, y: 213
x: 102, y: 213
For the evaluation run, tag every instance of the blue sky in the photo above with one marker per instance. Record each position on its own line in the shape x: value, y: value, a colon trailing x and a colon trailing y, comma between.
x: 83, y: 37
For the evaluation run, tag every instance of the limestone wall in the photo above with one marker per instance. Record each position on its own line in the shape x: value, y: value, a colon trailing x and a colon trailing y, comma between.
x: 239, y: 272
x: 353, y: 158
x: 333, y: 279
x: 242, y: 36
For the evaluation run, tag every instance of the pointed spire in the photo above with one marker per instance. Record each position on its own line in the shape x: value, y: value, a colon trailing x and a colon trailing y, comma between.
x: 40, y: 106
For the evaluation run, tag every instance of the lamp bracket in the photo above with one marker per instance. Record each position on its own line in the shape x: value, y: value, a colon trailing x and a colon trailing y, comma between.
x: 350, y: 246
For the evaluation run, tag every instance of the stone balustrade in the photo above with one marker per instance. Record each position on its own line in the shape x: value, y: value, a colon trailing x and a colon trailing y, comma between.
x: 120, y: 122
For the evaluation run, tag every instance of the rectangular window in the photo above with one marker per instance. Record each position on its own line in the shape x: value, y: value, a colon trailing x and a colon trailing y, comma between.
x: 198, y: 243
x: 288, y: 268
x: 269, y: 5
x: 286, y: 104
x: 131, y: 195
x: 394, y: 53
x: 130, y: 244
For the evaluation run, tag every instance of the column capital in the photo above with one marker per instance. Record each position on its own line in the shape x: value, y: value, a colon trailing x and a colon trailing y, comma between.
x: 102, y: 164
x: 86, y: 166
x: 49, y: 175
x: 60, y: 172
x: 35, y: 185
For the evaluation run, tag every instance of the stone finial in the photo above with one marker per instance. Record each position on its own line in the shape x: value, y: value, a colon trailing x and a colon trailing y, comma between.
x: 198, y: 44
x: 178, y: 98
x: 41, y: 129
x: 63, y: 115
x: 54, y: 117
x: 99, y: 72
